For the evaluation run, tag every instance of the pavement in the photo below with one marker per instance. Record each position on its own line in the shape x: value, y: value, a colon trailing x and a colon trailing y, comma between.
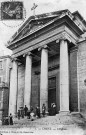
x: 61, y: 124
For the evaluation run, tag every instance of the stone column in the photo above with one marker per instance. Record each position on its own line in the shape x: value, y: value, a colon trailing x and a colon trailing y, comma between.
x: 27, y: 92
x: 13, y: 89
x: 44, y: 78
x: 64, y: 77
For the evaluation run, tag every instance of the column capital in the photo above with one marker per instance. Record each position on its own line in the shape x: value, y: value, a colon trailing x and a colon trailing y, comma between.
x: 14, y: 59
x: 64, y: 36
x: 43, y: 47
x: 27, y: 54
x: 11, y: 62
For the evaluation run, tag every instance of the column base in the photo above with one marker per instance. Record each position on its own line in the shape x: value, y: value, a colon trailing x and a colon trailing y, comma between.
x: 64, y: 112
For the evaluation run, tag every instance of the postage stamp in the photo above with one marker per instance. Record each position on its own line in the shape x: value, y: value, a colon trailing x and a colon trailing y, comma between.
x: 11, y: 10
x: 12, y: 13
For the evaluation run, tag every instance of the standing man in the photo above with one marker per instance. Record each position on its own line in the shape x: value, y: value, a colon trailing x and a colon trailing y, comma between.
x: 11, y: 119
x: 43, y: 110
x: 25, y: 110
x: 38, y: 111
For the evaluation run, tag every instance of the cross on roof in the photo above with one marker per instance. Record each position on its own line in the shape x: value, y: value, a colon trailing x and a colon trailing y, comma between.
x: 33, y: 8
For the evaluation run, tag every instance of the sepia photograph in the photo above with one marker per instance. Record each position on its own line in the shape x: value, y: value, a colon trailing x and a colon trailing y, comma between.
x: 42, y: 67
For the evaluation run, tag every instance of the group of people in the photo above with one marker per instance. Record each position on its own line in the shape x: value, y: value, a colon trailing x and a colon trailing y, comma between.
x: 31, y: 114
x: 38, y: 111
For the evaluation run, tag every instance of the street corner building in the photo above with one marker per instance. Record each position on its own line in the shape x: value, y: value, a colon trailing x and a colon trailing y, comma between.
x: 49, y: 63
x: 4, y: 85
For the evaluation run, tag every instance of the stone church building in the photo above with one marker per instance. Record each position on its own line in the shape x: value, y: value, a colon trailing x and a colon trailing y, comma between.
x: 49, y: 63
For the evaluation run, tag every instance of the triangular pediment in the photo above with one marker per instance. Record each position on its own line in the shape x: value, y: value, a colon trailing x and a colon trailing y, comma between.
x: 34, y: 23
x: 37, y: 22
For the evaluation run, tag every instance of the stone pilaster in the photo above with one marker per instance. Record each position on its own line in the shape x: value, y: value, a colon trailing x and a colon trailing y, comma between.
x: 27, y: 92
x: 13, y: 89
x: 44, y: 78
x: 64, y: 76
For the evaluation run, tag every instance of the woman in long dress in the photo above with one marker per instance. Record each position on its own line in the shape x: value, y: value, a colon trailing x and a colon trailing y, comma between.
x: 11, y: 119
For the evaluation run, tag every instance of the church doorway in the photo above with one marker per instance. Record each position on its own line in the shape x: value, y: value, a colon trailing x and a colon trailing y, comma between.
x: 51, y: 91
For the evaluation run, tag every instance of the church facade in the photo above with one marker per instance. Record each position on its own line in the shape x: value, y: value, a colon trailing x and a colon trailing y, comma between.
x: 49, y: 63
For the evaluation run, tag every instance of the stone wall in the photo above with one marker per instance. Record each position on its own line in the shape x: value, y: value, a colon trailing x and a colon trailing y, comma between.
x: 73, y: 81
x: 82, y: 76
x: 5, y: 101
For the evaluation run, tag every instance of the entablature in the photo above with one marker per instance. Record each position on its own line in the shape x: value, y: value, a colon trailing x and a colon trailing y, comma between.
x: 34, y: 45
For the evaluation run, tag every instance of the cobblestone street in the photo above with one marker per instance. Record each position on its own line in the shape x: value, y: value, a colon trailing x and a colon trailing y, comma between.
x: 52, y: 125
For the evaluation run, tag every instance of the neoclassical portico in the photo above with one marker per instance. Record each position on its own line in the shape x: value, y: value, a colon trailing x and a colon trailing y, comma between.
x: 64, y: 79
x: 48, y: 43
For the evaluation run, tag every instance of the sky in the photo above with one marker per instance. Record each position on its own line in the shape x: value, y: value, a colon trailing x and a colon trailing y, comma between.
x: 8, y: 28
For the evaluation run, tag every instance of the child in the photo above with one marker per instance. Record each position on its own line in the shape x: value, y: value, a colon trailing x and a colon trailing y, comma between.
x: 32, y: 115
